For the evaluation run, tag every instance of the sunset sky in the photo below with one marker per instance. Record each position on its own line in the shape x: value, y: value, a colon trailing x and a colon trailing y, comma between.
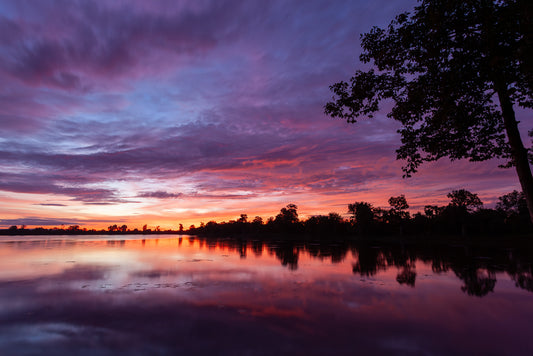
x: 168, y: 112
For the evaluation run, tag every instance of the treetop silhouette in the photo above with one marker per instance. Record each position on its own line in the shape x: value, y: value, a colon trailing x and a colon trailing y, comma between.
x: 455, y: 70
x: 464, y: 199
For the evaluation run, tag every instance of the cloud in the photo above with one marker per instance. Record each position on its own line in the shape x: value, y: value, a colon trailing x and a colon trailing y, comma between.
x: 83, y: 45
x: 39, y: 221
x: 105, y: 102
x: 51, y: 204
x: 37, y: 184
x: 159, y: 195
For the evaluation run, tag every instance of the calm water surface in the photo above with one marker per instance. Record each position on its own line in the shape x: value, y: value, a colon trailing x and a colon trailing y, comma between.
x: 105, y: 295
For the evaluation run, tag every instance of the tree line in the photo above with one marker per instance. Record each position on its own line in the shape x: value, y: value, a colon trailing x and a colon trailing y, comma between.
x: 463, y: 215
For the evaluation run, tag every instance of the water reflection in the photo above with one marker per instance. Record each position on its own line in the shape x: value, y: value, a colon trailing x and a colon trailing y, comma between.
x: 180, y: 295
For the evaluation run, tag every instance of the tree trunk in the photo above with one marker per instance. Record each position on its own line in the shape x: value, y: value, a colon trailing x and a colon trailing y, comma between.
x: 518, y: 151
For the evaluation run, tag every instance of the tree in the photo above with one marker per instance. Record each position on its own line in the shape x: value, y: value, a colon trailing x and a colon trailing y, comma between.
x: 288, y: 215
x: 512, y: 203
x: 432, y: 211
x: 362, y: 215
x: 361, y: 211
x: 335, y: 218
x: 454, y: 70
x: 465, y: 200
x: 398, y: 203
x: 398, y: 206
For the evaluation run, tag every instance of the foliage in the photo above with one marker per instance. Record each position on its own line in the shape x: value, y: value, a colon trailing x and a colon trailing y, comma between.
x: 288, y: 215
x: 398, y: 211
x: 439, y: 66
x: 464, y: 199
x: 454, y: 70
x: 512, y: 203
x: 398, y: 203
x: 362, y: 212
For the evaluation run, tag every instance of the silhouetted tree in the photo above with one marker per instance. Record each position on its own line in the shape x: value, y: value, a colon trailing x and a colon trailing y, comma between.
x: 512, y: 203
x: 464, y: 199
x: 381, y: 215
x: 432, y: 211
x: 397, y: 214
x: 335, y: 218
x: 362, y: 212
x: 288, y: 215
x: 445, y: 66
x: 399, y: 205
x: 514, y: 208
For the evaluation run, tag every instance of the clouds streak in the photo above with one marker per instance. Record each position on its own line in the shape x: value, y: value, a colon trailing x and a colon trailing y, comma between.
x: 178, y: 102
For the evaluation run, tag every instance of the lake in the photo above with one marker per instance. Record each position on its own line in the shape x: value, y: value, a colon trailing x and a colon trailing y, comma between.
x: 165, y: 294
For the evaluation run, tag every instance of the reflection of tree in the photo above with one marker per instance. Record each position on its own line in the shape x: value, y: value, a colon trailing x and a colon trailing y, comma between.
x: 288, y: 254
x: 439, y: 266
x: 522, y: 274
x: 336, y: 253
x: 407, y: 276
x: 242, y: 249
x: 370, y: 260
x: 478, y: 282
x: 257, y: 247
x: 476, y: 267
x: 524, y: 281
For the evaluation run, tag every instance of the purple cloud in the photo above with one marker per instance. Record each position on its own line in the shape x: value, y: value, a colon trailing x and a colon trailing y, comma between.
x: 104, y: 102
x: 36, y: 184
x: 39, y: 221
x: 159, y: 195
x: 51, y: 204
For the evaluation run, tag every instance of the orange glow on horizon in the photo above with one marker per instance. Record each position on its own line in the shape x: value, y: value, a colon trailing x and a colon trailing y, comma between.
x: 308, y: 205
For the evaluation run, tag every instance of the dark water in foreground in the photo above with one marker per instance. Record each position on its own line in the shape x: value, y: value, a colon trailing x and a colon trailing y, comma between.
x: 99, y: 296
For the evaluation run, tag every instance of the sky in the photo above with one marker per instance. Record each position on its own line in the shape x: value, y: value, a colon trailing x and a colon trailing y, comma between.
x: 169, y: 112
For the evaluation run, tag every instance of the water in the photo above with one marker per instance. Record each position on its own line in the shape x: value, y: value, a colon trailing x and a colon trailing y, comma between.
x: 106, y: 295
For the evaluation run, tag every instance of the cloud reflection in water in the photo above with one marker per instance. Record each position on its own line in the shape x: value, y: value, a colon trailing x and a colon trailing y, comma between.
x: 160, y: 296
